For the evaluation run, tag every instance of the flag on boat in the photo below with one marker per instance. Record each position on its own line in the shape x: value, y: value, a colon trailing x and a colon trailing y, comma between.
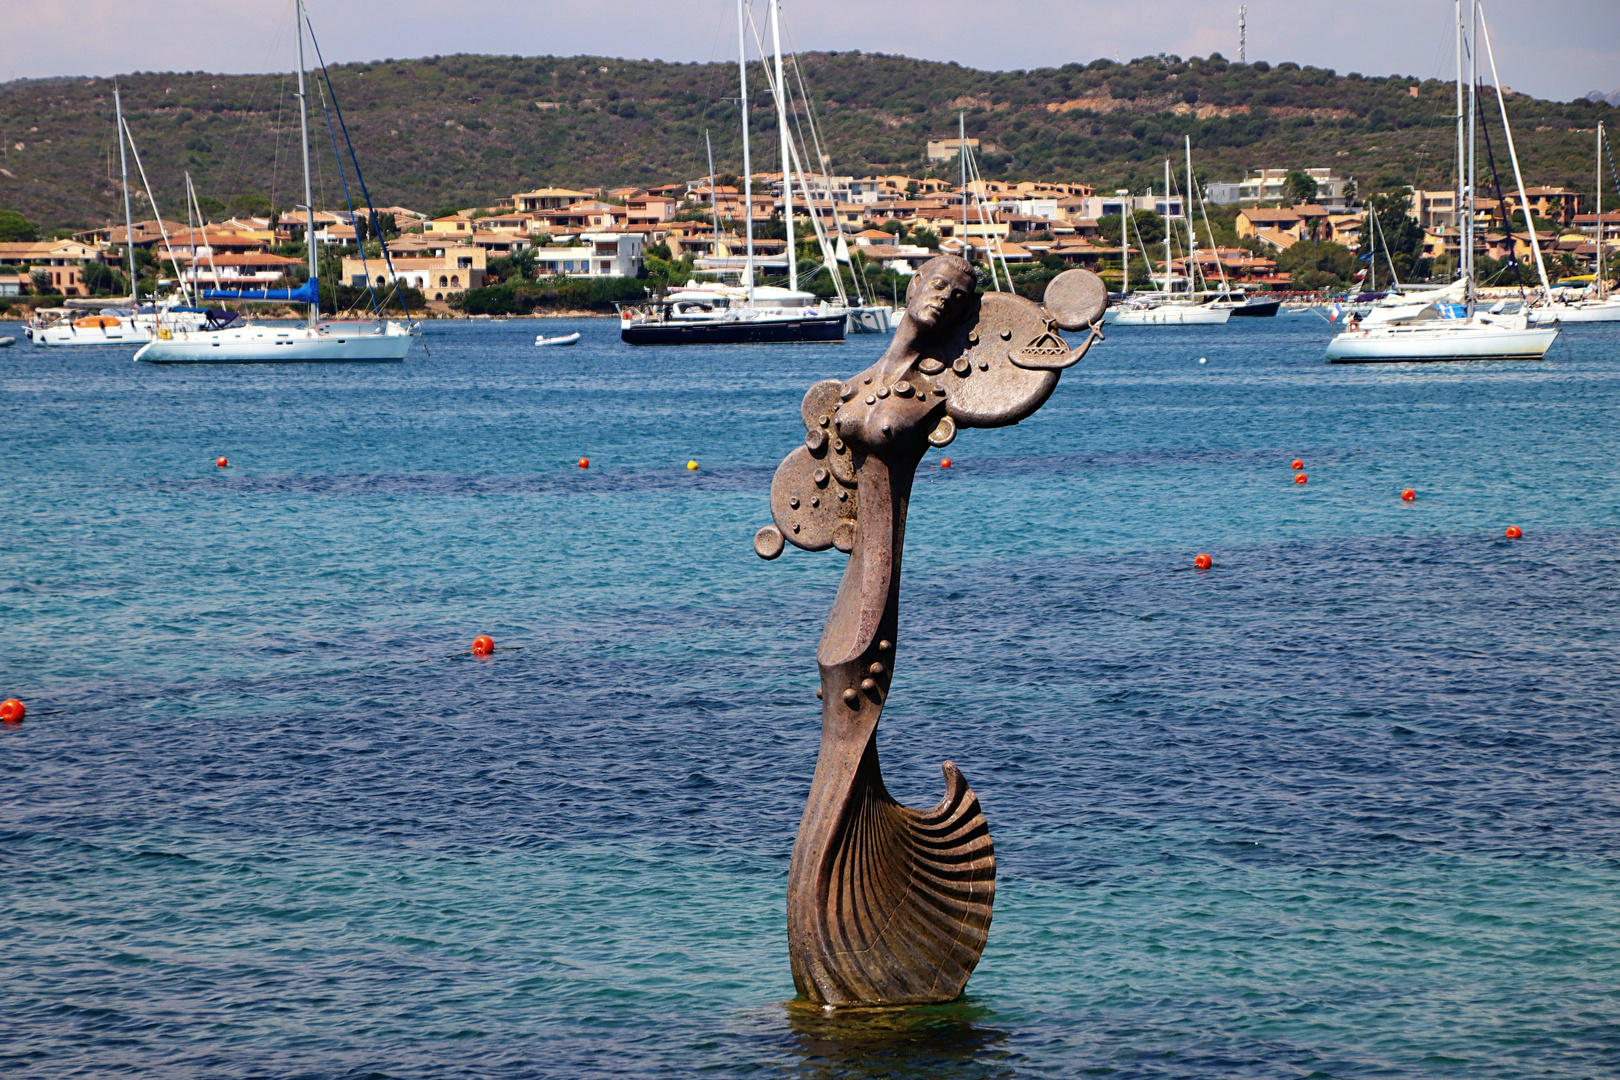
x: 1338, y: 309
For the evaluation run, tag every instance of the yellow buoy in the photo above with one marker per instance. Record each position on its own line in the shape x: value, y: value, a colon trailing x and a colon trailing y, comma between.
x: 691, y: 466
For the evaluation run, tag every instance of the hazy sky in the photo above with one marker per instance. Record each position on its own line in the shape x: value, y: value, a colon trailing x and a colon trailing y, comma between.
x: 1550, y: 48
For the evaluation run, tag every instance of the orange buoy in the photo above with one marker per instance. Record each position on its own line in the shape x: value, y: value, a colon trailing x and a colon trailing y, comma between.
x: 1203, y: 562
x: 483, y: 645
x: 1408, y: 495
x: 584, y: 462
x: 221, y: 463
x: 12, y: 711
x: 945, y: 463
x: 1514, y: 532
x: 1300, y: 479
x: 1296, y: 464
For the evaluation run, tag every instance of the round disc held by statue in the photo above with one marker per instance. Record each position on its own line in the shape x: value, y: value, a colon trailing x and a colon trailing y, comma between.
x: 805, y: 502
x: 1076, y: 299
x: 989, y: 390
x: 768, y: 542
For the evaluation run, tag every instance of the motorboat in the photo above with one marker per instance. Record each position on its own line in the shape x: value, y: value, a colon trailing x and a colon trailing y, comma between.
x: 563, y: 339
x: 684, y: 323
x: 1247, y: 307
x: 57, y: 327
x: 871, y: 319
x: 1169, y: 313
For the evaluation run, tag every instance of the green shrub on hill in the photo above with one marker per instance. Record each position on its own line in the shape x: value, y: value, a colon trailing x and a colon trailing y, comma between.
x: 462, y: 131
x: 551, y: 294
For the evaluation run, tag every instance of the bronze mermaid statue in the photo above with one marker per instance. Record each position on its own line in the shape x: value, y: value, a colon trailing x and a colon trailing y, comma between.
x: 888, y: 905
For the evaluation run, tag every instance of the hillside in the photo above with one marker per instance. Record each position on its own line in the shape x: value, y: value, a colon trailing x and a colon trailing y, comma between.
x: 462, y: 130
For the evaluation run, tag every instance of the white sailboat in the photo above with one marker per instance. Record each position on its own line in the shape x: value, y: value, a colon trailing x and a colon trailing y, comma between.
x: 1425, y: 329
x: 1600, y: 306
x: 113, y: 323
x: 368, y: 341
x: 1169, y: 309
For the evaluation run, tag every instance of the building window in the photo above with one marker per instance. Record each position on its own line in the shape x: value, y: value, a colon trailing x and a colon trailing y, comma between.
x: 455, y: 279
x: 443, y: 281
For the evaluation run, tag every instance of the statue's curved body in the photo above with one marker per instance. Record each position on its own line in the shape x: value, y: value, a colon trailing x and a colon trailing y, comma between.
x: 888, y: 905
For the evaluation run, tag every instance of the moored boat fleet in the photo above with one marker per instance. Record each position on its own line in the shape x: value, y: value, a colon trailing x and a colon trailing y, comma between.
x: 1457, y: 321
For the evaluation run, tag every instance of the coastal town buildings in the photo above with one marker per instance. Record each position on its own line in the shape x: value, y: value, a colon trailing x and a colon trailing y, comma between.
x: 61, y: 262
x: 892, y: 221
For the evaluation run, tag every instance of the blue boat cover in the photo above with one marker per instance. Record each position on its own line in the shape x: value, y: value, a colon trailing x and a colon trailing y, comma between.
x: 304, y: 294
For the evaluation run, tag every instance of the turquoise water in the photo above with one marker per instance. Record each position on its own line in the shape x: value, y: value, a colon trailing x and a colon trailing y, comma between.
x: 1344, y: 806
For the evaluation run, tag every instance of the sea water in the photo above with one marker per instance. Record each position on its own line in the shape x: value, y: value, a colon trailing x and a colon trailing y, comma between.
x: 1344, y: 805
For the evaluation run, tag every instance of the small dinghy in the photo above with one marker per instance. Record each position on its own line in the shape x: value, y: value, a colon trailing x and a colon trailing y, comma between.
x: 7, y: 342
x: 566, y: 339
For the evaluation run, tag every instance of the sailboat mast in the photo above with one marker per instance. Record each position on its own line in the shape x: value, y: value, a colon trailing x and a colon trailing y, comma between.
x: 1167, y: 286
x: 787, y: 166
x: 714, y: 197
x: 1192, y: 235
x: 129, y: 223
x: 309, y: 195
x: 961, y: 159
x: 1602, y: 286
x: 1457, y: 195
x: 748, y: 168
x: 1473, y: 156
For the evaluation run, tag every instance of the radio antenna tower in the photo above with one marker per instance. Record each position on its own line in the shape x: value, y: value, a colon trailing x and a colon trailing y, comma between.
x: 1243, y: 34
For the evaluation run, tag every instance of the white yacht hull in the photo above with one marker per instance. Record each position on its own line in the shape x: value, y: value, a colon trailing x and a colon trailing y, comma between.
x: 128, y: 330
x: 872, y: 319
x: 253, y: 344
x: 66, y: 335
x: 1439, y: 340
x: 1587, y: 311
x: 1171, y: 315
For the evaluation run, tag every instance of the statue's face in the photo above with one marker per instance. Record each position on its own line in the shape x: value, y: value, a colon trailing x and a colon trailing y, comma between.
x: 941, y: 300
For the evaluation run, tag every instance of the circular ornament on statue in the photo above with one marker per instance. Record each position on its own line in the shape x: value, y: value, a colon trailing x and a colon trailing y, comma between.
x: 807, y: 511
x: 984, y: 388
x: 768, y: 542
x: 841, y: 460
x: 820, y: 400
x: 1076, y: 299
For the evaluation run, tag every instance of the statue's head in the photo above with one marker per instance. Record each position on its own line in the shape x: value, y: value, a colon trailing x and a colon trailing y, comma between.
x: 940, y: 294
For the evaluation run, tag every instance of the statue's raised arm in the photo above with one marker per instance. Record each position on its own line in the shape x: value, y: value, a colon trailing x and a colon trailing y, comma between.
x: 886, y: 904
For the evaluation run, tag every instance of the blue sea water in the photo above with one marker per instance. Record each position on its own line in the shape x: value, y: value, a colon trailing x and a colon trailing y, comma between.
x: 1343, y: 806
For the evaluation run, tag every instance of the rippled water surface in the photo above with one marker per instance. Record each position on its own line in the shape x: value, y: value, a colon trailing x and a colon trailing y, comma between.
x: 1343, y: 806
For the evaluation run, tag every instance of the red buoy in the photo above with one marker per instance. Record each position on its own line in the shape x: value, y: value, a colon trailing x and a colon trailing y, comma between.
x: 1300, y: 479
x: 1514, y: 532
x: 1296, y: 464
x: 483, y: 645
x: 12, y: 711
x: 584, y: 462
x: 220, y: 463
x: 1203, y: 562
x: 1408, y: 495
x: 945, y: 463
